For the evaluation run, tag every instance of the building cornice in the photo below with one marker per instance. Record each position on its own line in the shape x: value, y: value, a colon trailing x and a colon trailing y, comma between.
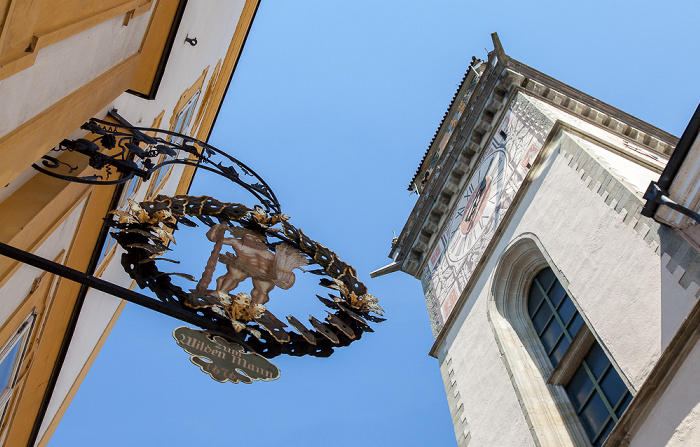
x: 594, y: 110
x: 451, y: 111
x: 502, y: 78
x: 459, y: 157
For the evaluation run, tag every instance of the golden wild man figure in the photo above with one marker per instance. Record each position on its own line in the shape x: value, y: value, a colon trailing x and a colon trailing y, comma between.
x: 253, y: 260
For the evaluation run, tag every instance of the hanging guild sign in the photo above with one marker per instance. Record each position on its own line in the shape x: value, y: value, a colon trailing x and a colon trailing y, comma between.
x: 253, y: 245
x: 241, y: 333
x: 222, y: 360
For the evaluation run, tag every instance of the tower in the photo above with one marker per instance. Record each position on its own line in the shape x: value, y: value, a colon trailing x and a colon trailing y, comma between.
x: 554, y: 303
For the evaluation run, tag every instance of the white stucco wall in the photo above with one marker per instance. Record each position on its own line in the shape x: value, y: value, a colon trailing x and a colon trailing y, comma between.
x: 213, y: 24
x: 623, y: 145
x: 674, y: 420
x: 481, y: 381
x: 65, y: 66
x: 636, y: 176
x: 685, y: 190
x: 95, y: 315
x: 17, y: 288
x: 630, y: 300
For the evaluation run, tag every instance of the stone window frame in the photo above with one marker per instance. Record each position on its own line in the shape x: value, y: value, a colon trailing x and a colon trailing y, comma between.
x: 578, y: 360
x: 546, y: 406
x: 19, y: 338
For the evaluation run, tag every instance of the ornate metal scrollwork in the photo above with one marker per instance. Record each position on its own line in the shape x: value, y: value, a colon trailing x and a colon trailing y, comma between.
x: 120, y: 152
x: 267, y: 249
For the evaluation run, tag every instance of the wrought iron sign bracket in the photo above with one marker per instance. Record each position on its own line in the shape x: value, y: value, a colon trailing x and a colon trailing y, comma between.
x: 139, y: 152
x: 107, y: 287
x: 256, y: 243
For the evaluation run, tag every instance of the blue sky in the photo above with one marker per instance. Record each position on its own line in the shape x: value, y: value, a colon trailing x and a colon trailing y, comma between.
x: 334, y: 104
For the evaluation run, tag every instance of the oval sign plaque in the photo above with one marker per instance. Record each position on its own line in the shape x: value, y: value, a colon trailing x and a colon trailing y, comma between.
x: 222, y: 360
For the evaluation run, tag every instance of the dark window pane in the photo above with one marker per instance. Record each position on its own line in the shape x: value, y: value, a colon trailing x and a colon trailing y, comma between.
x: 541, y: 318
x: 567, y: 310
x: 556, y: 294
x: 546, y: 278
x: 551, y: 336
x: 625, y: 402
x: 597, y: 360
x: 604, y: 434
x: 7, y: 365
x: 579, y: 388
x: 559, y: 351
x: 593, y: 415
x: 534, y: 300
x: 596, y: 390
x: 575, y: 325
x: 613, y: 387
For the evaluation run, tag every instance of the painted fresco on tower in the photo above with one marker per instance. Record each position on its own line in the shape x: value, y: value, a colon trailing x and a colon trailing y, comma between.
x: 486, y: 198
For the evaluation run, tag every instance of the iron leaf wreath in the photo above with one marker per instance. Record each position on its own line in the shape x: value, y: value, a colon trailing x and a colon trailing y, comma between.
x: 267, y: 249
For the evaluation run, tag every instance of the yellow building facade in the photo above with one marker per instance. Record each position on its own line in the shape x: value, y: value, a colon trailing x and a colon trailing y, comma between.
x: 159, y: 63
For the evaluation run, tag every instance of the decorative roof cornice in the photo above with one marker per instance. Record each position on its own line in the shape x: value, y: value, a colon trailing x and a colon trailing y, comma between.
x: 474, y: 63
x: 501, y: 79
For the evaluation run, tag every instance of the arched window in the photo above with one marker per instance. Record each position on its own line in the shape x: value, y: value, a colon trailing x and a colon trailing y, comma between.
x: 553, y: 314
x: 595, y: 389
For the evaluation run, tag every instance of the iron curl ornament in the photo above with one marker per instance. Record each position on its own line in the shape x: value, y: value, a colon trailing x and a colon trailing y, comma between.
x: 120, y: 152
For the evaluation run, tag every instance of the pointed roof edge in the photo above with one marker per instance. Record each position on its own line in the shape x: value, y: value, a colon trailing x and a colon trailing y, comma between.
x: 474, y: 62
x: 538, y: 76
